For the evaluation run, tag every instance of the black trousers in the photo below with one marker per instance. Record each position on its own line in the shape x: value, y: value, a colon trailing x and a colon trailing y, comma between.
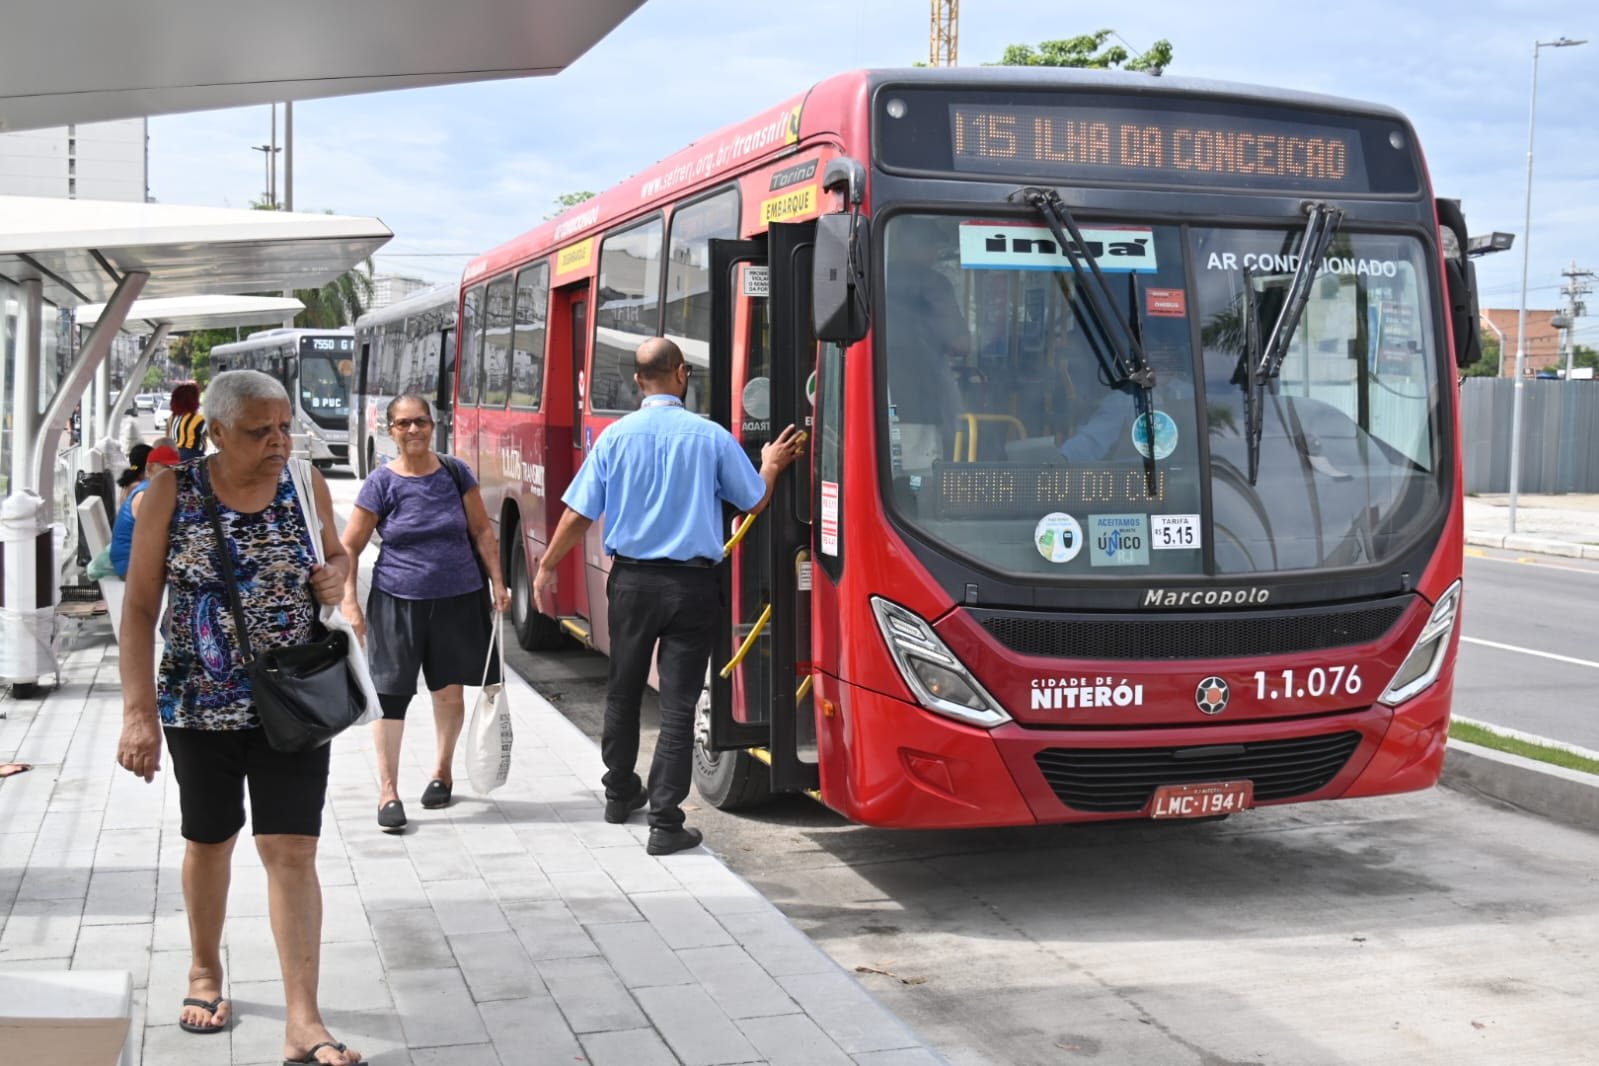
x: 675, y: 608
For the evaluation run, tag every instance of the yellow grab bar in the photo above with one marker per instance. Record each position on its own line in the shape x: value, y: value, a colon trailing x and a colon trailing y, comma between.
x: 749, y: 642
x: 738, y: 534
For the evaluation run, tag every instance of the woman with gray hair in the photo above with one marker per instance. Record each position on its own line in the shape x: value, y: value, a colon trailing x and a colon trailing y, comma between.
x: 202, y: 703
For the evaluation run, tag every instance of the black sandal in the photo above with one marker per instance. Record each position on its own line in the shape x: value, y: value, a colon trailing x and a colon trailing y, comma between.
x: 211, y: 1005
x: 436, y: 795
x: 391, y: 816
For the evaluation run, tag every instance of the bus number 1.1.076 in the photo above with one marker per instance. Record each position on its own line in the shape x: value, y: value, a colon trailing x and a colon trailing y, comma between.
x: 1317, y: 681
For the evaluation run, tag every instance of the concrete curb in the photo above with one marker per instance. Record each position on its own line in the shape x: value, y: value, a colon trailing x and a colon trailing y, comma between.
x: 1552, y: 792
x: 1542, y: 545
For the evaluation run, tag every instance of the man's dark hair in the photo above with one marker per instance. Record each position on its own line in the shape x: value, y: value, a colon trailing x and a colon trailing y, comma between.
x: 657, y: 358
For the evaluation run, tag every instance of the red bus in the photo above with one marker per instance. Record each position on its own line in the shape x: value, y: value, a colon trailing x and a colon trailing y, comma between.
x: 1134, y: 487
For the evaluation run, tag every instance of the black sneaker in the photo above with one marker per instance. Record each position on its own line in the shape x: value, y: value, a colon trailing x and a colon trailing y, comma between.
x: 616, y: 811
x: 436, y: 795
x: 391, y: 816
x: 666, y: 841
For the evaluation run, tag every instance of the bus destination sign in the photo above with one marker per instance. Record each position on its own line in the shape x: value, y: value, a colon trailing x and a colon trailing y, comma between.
x: 1165, y: 147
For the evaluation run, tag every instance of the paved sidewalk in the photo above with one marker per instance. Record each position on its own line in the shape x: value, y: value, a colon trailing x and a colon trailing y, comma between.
x: 1565, y: 525
x: 516, y: 929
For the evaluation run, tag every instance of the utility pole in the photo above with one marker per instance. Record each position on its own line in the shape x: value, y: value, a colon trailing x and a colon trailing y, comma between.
x: 943, y: 36
x: 1575, y: 288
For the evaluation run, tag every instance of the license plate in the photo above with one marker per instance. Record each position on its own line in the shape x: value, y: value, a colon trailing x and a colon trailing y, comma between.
x: 1202, y: 800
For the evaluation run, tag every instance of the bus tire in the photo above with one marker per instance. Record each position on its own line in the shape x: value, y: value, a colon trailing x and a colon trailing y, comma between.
x: 534, y: 631
x: 727, y: 780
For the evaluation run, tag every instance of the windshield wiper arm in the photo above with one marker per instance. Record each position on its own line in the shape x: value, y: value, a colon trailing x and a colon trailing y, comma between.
x: 1320, y: 228
x: 1129, y: 365
x: 1254, y: 401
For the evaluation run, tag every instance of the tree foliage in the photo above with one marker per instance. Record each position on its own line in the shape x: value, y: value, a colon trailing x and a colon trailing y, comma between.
x: 568, y: 199
x: 1488, y: 365
x: 1088, y: 51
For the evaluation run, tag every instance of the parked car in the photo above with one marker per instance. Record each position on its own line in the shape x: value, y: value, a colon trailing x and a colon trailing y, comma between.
x: 163, y: 418
x: 146, y: 401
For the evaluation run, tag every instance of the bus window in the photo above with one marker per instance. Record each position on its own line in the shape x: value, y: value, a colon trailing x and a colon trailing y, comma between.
x: 497, y: 344
x: 629, y: 311
x: 688, y: 290
x: 527, y: 343
x: 471, y: 348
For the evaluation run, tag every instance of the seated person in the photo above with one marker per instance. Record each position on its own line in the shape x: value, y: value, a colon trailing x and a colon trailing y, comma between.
x: 155, y: 461
x: 1107, y: 432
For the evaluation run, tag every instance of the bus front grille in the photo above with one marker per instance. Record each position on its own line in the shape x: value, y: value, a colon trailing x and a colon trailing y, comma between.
x: 1205, y: 636
x: 1122, y: 780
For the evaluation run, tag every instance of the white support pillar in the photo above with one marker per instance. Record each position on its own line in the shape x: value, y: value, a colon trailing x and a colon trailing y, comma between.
x: 27, y: 603
x: 25, y: 377
x: 102, y: 401
x: 77, y: 380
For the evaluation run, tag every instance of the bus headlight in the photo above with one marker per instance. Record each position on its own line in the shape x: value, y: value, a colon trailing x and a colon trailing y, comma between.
x: 1421, y: 666
x: 940, y: 682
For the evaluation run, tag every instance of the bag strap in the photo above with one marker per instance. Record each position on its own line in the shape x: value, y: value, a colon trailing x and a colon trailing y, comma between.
x: 498, y: 643
x: 449, y: 463
x: 305, y: 495
x: 453, y: 465
x: 203, y: 473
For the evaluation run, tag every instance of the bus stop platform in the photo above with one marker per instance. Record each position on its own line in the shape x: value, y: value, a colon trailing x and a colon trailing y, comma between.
x: 509, y: 929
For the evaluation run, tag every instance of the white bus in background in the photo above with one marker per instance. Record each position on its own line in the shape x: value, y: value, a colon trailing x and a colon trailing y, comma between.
x: 315, y: 366
x: 408, y: 346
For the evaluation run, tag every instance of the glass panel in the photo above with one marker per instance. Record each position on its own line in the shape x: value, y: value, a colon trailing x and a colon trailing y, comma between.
x: 1350, y: 448
x: 629, y: 310
x: 688, y: 288
x: 527, y: 346
x: 325, y: 388
x: 1009, y: 437
x: 9, y: 295
x: 497, y: 344
x: 471, y: 346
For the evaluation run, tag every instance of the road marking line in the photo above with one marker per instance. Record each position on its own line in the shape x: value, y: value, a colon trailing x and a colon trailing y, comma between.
x: 1530, y: 651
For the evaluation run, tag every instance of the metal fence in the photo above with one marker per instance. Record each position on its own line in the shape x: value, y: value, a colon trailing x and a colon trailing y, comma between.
x: 1559, y: 435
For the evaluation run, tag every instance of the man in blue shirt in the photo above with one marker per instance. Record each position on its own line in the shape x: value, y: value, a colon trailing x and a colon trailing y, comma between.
x: 659, y: 475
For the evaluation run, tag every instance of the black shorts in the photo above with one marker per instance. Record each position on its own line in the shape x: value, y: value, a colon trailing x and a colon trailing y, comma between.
x: 446, y: 640
x: 214, y: 765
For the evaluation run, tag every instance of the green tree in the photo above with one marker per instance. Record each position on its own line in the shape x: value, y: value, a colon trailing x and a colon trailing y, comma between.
x: 1488, y: 365
x: 1088, y: 51
x: 338, y: 303
x: 568, y: 199
x: 1582, y: 355
x: 153, y: 378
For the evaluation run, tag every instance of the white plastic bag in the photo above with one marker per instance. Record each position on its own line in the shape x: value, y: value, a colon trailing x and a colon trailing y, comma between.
x: 332, y: 617
x: 488, y: 730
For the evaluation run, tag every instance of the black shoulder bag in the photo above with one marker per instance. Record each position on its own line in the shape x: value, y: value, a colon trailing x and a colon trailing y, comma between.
x: 304, y: 694
x: 448, y: 462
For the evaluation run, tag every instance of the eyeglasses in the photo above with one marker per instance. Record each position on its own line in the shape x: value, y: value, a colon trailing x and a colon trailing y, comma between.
x: 403, y: 424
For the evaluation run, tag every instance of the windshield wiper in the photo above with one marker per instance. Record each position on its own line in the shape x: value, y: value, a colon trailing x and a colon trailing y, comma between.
x: 1125, y: 363
x: 1321, y: 226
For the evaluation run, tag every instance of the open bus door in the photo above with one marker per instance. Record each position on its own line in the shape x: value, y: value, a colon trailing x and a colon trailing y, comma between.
x: 763, y: 357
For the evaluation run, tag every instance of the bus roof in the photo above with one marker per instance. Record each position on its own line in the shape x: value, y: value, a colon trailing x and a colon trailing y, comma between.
x: 443, y: 294
x: 819, y: 110
x: 272, y: 336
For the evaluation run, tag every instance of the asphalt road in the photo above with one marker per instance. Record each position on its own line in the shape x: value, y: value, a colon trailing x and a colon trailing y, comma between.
x: 1529, y: 653
x: 1433, y: 927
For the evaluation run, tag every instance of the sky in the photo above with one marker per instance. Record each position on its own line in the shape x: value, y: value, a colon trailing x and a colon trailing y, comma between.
x: 457, y: 170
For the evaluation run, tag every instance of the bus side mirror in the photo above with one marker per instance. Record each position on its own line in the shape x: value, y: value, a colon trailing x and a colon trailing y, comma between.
x: 1460, y: 281
x: 840, y: 290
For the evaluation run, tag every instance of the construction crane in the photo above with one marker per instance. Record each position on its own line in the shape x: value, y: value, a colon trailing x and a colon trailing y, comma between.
x: 942, y: 38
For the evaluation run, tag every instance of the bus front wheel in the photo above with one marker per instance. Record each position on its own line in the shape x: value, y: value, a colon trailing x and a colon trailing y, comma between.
x: 729, y: 780
x: 534, y: 631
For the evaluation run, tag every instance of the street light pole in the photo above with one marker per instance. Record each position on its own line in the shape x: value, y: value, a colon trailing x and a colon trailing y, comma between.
x: 1526, y: 254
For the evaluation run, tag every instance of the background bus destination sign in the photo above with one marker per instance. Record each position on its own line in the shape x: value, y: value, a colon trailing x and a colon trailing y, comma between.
x: 1154, y: 146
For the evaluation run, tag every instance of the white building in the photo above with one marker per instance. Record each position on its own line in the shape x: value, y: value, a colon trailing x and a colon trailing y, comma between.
x: 390, y: 288
x: 93, y: 161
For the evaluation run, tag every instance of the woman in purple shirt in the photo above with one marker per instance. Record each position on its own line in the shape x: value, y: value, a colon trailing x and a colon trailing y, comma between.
x: 427, y: 610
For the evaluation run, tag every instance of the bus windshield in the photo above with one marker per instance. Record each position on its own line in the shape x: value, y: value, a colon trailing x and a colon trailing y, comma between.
x: 1014, y: 441
x: 325, y: 388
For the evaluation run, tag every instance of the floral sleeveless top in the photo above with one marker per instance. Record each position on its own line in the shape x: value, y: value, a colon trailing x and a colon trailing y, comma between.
x: 203, y: 683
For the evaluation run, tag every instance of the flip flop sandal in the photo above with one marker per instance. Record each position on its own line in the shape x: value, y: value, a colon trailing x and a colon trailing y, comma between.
x: 310, y: 1058
x: 211, y: 1005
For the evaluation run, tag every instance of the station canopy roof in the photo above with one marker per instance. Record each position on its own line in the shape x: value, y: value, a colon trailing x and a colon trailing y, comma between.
x: 185, y: 313
x: 80, y: 249
x: 70, y: 61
